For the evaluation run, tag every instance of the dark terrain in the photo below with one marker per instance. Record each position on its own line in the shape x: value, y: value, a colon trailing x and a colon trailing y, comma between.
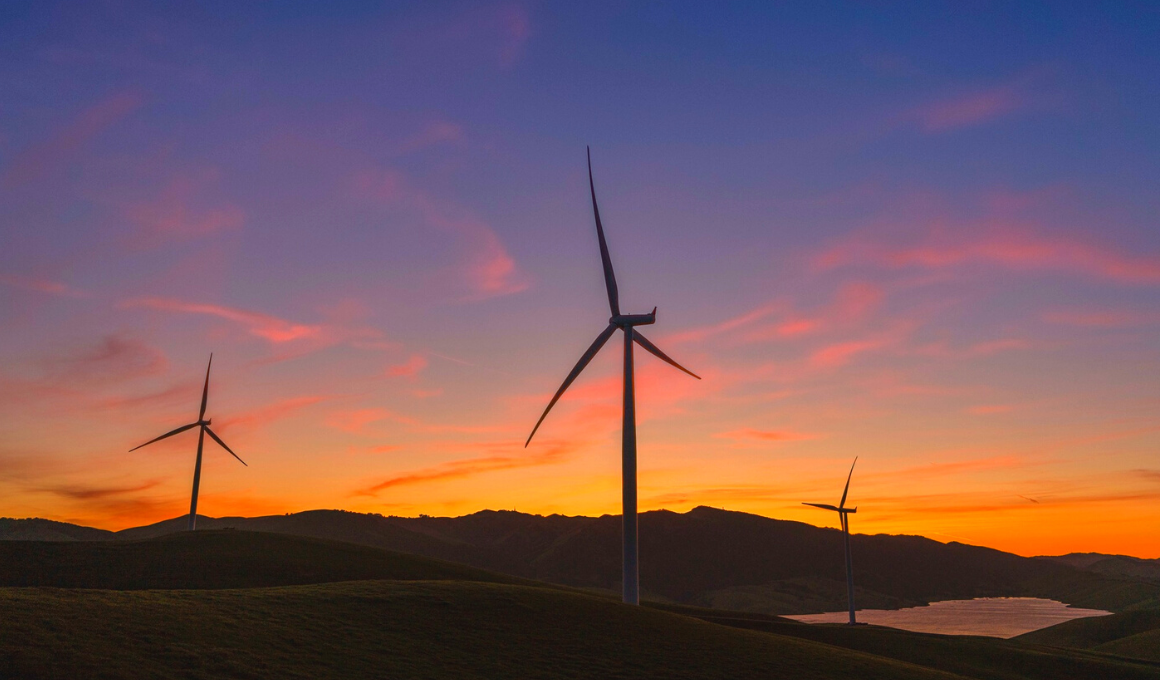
x: 705, y: 557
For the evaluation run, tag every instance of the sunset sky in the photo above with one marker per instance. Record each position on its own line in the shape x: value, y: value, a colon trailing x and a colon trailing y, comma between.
x: 923, y: 234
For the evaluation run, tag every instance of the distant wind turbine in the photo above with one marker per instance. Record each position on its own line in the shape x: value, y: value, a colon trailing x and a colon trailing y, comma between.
x: 627, y: 323
x: 842, y: 511
x: 204, y: 425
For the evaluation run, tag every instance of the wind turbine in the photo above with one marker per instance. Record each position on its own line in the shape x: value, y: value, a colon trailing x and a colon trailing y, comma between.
x: 204, y: 425
x: 842, y: 511
x: 628, y: 324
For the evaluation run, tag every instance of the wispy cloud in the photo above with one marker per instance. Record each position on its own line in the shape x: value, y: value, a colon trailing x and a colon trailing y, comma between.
x: 487, y: 269
x: 408, y: 369
x: 42, y: 286
x: 433, y: 133
x: 177, y: 213
x: 1097, y: 318
x: 1008, y: 246
x: 113, y: 358
x: 264, y: 415
x: 89, y: 493
x: 970, y: 109
x: 267, y: 327
x: 34, y: 161
x: 751, y: 434
x: 470, y: 467
x: 990, y: 409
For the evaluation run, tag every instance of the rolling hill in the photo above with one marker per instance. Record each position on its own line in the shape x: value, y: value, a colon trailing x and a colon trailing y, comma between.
x: 1133, y: 634
x: 710, y: 557
x: 217, y: 604
x: 1111, y: 565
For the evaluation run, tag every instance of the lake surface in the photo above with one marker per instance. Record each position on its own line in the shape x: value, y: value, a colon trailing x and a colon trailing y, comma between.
x: 1001, y: 617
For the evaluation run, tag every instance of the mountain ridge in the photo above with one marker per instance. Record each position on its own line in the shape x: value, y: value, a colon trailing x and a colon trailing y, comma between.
x: 703, y: 557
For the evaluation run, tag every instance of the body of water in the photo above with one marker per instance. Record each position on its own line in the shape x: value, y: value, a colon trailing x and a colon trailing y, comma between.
x: 1001, y: 617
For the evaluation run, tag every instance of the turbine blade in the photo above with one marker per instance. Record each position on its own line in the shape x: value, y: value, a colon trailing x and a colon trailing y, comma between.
x: 179, y: 430
x: 644, y: 342
x: 823, y: 506
x: 609, y: 277
x: 847, y: 489
x: 587, y: 357
x: 223, y: 445
x: 205, y: 390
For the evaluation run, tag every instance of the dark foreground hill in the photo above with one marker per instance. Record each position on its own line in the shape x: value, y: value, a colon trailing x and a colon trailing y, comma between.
x: 389, y: 629
x: 216, y: 559
x: 430, y: 620
x: 1131, y: 634
x: 714, y: 558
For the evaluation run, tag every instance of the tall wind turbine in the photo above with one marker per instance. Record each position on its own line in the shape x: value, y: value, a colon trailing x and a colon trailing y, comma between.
x: 628, y: 324
x: 843, y: 511
x: 204, y: 425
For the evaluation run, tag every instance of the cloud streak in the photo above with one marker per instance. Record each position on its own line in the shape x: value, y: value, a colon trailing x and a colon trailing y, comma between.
x: 269, y: 328
x: 1006, y: 246
x: 470, y: 467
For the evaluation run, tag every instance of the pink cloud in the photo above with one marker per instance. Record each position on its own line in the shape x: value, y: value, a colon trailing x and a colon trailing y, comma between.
x: 355, y: 421
x: 470, y: 467
x: 486, y: 269
x: 851, y: 304
x: 840, y: 354
x: 434, y: 133
x: 1092, y: 318
x: 269, y: 328
x: 752, y: 434
x: 1002, y: 245
x: 409, y: 369
x: 970, y: 109
x: 269, y: 413
x: 34, y: 161
x: 990, y: 409
x: 702, y: 332
x: 42, y: 286
x: 980, y: 349
x: 114, y: 358
x: 174, y: 212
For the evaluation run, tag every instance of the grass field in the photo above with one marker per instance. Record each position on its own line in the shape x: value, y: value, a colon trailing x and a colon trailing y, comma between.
x: 975, y: 657
x: 1133, y: 634
x: 421, y: 629
x: 239, y: 604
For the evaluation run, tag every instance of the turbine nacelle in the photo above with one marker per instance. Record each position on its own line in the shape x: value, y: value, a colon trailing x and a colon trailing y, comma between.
x: 630, y: 320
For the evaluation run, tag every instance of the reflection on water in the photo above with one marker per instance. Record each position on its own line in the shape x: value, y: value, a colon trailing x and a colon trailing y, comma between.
x: 1002, y: 617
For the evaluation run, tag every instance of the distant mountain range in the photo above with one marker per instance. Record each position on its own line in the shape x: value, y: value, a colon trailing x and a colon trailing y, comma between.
x: 1111, y: 565
x: 705, y: 557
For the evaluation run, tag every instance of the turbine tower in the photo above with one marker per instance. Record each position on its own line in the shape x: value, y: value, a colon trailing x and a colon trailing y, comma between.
x: 628, y: 324
x: 843, y: 511
x: 204, y: 425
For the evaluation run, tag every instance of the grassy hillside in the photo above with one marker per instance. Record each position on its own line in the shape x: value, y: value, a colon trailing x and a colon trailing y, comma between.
x: 215, y: 559
x: 976, y: 657
x: 394, y: 629
x: 710, y: 557
x: 1134, y: 634
x: 431, y: 619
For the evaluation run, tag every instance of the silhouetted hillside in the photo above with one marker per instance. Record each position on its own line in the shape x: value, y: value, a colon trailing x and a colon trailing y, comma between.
x: 215, y: 559
x: 710, y: 557
x: 48, y: 530
x: 1111, y: 565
